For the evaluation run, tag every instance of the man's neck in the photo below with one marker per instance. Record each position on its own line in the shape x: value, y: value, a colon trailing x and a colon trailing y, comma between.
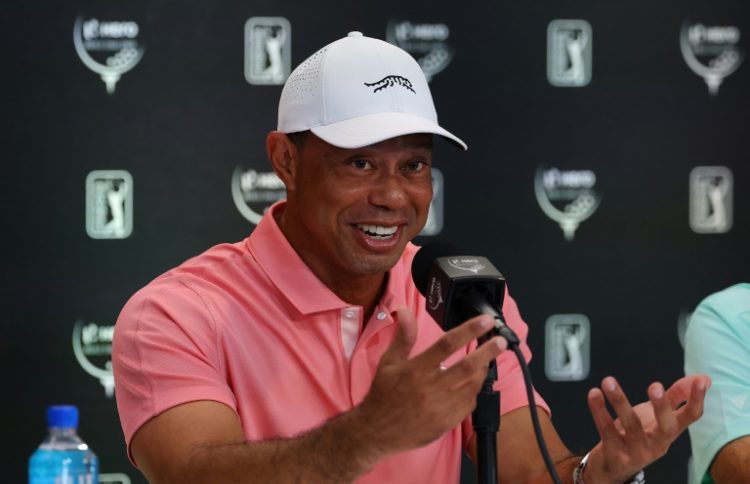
x: 364, y: 290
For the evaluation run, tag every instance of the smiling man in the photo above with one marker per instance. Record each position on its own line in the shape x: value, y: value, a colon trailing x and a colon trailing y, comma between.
x: 305, y: 354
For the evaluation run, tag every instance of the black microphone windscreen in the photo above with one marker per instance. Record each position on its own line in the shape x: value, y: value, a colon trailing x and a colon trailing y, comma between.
x: 423, y: 260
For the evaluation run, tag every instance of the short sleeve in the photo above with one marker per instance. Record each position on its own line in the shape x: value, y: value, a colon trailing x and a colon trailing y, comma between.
x: 717, y: 343
x: 165, y: 353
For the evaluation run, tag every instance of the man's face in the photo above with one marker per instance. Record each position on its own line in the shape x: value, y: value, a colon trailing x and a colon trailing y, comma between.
x: 351, y: 212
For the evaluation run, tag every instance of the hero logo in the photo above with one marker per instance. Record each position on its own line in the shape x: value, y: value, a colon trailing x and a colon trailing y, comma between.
x: 92, y: 346
x: 471, y: 265
x: 567, y: 196
x: 426, y: 42
x: 109, y: 48
x: 435, y: 296
x: 713, y: 52
x: 254, y: 192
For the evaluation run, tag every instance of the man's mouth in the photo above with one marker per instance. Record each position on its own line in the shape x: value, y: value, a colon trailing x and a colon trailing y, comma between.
x: 378, y: 232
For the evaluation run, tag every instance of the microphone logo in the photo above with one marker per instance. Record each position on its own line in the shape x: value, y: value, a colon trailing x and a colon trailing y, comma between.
x: 466, y: 264
x: 435, y: 295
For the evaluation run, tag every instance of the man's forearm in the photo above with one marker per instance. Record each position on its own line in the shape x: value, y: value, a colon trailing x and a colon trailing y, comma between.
x: 564, y: 469
x: 336, y: 452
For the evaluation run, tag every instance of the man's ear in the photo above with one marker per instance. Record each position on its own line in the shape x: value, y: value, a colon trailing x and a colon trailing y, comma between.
x: 283, y: 155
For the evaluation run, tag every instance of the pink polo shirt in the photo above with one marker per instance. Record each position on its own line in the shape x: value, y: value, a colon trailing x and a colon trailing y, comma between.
x: 249, y: 325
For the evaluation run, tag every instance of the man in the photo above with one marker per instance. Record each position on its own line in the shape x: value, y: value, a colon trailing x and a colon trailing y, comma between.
x: 717, y: 343
x: 305, y: 353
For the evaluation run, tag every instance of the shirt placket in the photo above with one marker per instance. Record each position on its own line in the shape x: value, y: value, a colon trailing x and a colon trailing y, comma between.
x: 361, y: 368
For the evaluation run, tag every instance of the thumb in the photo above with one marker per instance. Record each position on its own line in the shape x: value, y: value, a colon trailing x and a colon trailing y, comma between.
x: 403, y: 340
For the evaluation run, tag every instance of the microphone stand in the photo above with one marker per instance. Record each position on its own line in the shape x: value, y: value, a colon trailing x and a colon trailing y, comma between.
x: 486, y: 423
x: 486, y: 420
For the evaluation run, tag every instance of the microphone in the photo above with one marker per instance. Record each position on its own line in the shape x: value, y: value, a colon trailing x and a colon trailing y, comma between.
x: 458, y: 287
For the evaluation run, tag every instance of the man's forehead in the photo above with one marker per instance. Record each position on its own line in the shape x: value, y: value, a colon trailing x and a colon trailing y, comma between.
x: 407, y: 141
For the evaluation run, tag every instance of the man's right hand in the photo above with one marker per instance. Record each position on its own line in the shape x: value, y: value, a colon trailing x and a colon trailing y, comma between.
x: 413, y: 401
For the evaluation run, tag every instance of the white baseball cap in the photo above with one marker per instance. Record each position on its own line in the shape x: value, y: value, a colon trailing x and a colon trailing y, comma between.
x: 357, y: 91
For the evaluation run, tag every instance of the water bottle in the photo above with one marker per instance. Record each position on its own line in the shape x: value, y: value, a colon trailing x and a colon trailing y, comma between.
x: 63, y: 458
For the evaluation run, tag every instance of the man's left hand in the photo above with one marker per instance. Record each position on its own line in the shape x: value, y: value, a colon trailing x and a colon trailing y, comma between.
x: 641, y: 434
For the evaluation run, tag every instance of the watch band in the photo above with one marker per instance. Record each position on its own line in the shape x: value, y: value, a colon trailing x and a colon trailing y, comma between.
x: 639, y: 478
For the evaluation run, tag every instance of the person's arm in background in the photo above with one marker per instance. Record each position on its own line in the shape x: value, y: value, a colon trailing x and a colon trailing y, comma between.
x: 717, y: 343
x: 732, y: 463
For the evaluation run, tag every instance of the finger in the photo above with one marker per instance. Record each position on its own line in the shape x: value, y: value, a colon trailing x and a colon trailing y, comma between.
x: 403, y: 340
x: 679, y: 392
x: 602, y: 419
x: 474, y: 365
x: 453, y: 340
x: 665, y: 415
x: 693, y: 409
x: 620, y: 404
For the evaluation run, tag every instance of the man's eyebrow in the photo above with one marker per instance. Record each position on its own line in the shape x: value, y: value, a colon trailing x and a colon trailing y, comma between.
x: 421, y: 144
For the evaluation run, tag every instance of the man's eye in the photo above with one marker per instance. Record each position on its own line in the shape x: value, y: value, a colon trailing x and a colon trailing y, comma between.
x: 415, y: 165
x: 361, y: 164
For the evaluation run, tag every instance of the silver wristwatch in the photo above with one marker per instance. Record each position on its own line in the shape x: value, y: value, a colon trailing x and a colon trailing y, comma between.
x: 639, y: 478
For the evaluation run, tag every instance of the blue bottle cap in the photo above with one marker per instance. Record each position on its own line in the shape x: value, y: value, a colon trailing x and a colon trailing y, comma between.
x: 62, y: 416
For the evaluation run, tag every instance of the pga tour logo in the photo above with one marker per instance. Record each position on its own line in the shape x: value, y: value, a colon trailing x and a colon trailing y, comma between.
x: 711, y: 194
x: 566, y: 196
x: 569, y: 51
x: 426, y: 42
x: 568, y: 347
x: 268, y: 50
x: 109, y: 204
x: 712, y: 52
x: 108, y: 48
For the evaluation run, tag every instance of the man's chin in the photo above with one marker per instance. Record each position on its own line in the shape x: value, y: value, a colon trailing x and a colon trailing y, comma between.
x: 371, y: 264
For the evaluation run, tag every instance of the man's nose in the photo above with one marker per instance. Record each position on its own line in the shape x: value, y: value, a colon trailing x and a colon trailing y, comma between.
x: 389, y: 191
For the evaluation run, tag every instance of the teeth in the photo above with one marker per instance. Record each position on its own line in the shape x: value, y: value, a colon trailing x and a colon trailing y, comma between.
x: 378, y: 230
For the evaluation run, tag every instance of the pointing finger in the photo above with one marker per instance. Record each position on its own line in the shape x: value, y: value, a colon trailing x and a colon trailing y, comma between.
x: 475, y: 363
x: 455, y: 339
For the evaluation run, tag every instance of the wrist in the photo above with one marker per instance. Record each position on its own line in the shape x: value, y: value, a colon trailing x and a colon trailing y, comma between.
x: 592, y: 470
x: 363, y: 442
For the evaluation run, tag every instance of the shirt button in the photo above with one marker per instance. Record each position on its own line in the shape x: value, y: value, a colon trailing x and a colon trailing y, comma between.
x: 349, y: 314
x: 381, y: 315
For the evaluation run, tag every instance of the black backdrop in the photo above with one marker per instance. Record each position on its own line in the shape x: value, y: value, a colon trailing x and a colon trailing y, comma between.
x: 184, y: 118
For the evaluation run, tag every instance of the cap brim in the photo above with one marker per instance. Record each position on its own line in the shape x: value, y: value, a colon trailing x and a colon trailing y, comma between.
x: 374, y: 128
